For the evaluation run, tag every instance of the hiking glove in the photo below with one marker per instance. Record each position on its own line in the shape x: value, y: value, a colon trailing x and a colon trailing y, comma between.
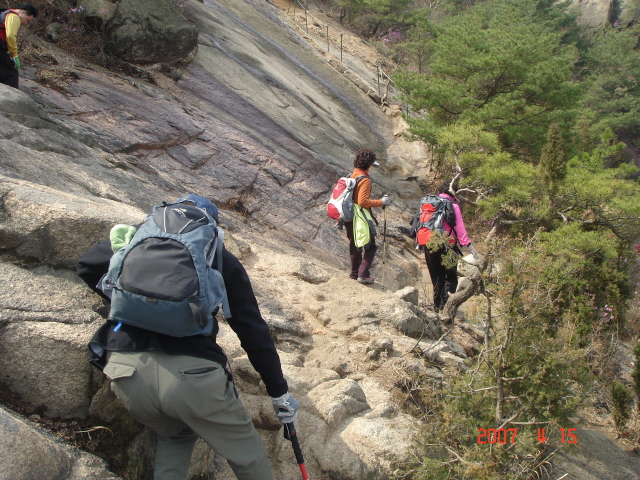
x: 386, y: 200
x: 473, y: 251
x: 286, y: 408
x: 16, y: 62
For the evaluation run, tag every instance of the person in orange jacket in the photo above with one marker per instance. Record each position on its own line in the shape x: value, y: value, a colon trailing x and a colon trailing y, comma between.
x: 10, y: 22
x: 361, y: 260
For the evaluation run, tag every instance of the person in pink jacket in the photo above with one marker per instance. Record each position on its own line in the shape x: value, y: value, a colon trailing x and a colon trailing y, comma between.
x: 443, y: 279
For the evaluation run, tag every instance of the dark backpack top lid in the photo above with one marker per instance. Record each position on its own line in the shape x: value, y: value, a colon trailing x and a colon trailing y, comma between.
x: 200, y: 202
x: 179, y: 218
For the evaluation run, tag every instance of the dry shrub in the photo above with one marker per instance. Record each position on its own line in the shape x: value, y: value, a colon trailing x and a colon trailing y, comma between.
x: 57, y: 78
x: 74, y: 34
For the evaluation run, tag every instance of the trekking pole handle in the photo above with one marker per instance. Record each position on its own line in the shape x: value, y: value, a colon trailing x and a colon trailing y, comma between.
x: 290, y: 434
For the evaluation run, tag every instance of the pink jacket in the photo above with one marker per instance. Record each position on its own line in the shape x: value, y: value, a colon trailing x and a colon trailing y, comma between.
x: 458, y: 231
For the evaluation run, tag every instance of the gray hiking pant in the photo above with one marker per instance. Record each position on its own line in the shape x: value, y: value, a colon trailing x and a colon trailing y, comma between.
x: 182, y: 398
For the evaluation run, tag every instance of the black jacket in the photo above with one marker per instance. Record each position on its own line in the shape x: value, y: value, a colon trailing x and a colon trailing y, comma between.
x: 247, y: 323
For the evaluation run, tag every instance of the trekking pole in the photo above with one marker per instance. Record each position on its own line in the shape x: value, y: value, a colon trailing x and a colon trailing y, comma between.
x: 384, y: 241
x: 290, y: 434
x: 384, y: 235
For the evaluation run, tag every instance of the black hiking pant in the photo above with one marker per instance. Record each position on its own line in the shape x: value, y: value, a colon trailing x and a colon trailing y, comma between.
x: 360, y: 261
x: 8, y: 73
x: 444, y: 280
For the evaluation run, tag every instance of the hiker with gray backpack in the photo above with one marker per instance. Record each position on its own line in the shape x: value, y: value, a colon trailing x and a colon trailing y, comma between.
x: 439, y: 229
x: 166, y: 280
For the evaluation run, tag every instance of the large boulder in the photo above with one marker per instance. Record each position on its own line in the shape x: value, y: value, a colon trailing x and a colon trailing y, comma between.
x: 43, y: 294
x: 46, y: 364
x: 98, y: 10
x: 69, y: 157
x: 31, y: 453
x: 150, y: 31
x: 594, y: 13
x: 337, y: 400
x: 26, y: 454
x: 596, y: 456
x: 38, y: 222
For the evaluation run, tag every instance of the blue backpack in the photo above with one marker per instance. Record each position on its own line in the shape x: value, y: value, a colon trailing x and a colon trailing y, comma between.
x: 168, y: 278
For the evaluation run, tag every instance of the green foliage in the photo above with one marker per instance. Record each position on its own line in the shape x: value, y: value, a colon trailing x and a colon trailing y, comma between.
x: 596, y: 196
x: 494, y: 67
x: 462, y: 144
x: 631, y: 13
x: 553, y: 162
x: 413, y: 49
x: 622, y: 401
x: 500, y: 102
x: 378, y: 15
x: 438, y: 241
x: 613, y: 67
x: 586, y: 190
x: 553, y: 15
x: 448, y: 444
x: 531, y: 371
x: 635, y: 374
x: 562, y: 288
x: 588, y: 288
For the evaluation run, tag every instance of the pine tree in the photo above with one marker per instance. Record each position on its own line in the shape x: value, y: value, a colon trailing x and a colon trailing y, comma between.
x: 553, y: 163
x: 621, y: 402
x: 636, y: 374
x: 491, y: 66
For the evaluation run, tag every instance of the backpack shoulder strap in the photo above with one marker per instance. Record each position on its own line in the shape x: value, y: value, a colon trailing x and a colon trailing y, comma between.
x: 3, y: 15
x: 449, y: 204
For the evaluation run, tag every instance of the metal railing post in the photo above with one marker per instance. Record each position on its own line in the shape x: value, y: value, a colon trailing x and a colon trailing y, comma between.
x: 327, y: 38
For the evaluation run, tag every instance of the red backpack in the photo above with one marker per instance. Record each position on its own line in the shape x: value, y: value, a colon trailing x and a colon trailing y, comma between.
x: 429, y: 218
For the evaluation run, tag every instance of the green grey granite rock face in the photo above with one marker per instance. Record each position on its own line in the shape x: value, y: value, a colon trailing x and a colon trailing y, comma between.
x: 150, y: 31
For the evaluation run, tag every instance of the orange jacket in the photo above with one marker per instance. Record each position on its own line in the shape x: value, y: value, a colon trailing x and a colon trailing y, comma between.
x: 362, y: 192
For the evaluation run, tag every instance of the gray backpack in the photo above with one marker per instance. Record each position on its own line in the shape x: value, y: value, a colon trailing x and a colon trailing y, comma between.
x: 168, y: 278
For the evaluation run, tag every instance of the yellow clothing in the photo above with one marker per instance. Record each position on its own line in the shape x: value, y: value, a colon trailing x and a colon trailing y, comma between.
x: 12, y: 25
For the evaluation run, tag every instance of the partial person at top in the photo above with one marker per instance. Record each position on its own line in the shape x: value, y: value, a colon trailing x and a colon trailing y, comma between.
x: 10, y: 22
